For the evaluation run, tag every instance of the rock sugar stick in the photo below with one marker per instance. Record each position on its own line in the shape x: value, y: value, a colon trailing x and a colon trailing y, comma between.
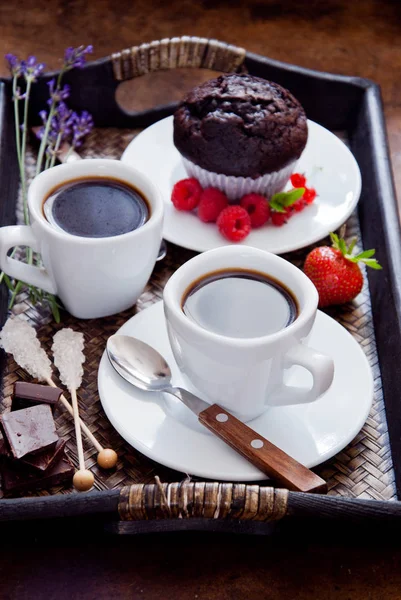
x: 68, y: 346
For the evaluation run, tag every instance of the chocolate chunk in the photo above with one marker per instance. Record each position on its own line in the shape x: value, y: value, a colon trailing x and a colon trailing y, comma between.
x: 30, y: 394
x: 29, y: 430
x: 46, y: 459
x: 16, y: 477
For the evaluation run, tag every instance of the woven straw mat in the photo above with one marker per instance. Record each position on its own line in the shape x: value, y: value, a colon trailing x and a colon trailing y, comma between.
x: 362, y: 470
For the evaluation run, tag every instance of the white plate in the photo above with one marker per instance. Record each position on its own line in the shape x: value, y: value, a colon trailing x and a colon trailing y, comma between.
x: 163, y: 429
x: 329, y: 167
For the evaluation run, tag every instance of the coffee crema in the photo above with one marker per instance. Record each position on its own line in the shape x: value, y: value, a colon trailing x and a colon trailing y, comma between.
x: 240, y: 303
x: 96, y: 207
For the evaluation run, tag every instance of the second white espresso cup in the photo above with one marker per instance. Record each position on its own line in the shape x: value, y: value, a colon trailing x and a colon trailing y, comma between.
x: 245, y: 375
x: 93, y: 277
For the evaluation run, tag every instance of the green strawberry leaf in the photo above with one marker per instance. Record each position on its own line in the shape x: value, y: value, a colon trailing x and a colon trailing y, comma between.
x: 365, y: 256
x: 342, y: 246
x: 372, y: 263
x: 352, y: 245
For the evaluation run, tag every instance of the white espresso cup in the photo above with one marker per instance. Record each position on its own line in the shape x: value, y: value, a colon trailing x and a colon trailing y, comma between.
x: 93, y: 277
x: 245, y: 375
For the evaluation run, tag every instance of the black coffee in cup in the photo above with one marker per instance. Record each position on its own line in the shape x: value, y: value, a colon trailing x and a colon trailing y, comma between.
x: 239, y: 303
x: 96, y: 207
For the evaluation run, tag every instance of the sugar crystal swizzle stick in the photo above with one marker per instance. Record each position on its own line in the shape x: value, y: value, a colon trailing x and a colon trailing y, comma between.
x: 68, y: 355
x: 19, y: 339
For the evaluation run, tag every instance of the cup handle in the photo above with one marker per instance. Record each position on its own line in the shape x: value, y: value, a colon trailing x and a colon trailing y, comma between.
x: 22, y: 235
x: 321, y: 368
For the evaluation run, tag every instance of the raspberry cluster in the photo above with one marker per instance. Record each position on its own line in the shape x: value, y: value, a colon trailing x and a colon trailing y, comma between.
x: 235, y: 221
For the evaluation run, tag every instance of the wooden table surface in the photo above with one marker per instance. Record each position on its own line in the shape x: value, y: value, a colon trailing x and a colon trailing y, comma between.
x: 338, y: 36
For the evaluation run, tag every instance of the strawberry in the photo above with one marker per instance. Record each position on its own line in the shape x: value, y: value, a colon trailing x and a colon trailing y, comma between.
x: 335, y: 271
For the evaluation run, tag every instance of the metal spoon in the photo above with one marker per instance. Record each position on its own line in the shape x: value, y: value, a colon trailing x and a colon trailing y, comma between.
x: 142, y: 366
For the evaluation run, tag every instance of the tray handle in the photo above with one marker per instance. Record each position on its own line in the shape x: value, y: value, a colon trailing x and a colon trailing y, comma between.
x: 183, y: 500
x: 192, y: 501
x: 177, y: 52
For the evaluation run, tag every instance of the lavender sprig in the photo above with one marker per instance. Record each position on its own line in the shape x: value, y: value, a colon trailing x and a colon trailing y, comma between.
x: 76, y: 57
x: 73, y: 57
x: 57, y: 95
x: 29, y: 70
x: 59, y: 124
x: 81, y: 126
x: 66, y: 126
x: 14, y: 65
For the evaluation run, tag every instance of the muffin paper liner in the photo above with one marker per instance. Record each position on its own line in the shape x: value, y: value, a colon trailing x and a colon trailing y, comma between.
x: 236, y: 187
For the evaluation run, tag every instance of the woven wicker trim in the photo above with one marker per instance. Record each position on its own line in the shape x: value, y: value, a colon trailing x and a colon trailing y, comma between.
x: 187, y: 500
x: 177, y: 52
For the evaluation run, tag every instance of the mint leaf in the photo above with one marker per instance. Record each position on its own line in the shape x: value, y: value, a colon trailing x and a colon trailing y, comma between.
x: 292, y: 196
x: 283, y: 200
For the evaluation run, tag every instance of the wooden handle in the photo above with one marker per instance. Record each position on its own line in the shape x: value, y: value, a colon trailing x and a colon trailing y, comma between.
x: 177, y: 52
x: 260, y: 452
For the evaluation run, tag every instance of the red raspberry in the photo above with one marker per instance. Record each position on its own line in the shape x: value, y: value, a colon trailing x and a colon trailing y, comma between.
x: 234, y: 223
x: 309, y: 195
x: 298, y: 180
x: 186, y: 194
x: 257, y: 208
x: 279, y: 218
x: 211, y: 204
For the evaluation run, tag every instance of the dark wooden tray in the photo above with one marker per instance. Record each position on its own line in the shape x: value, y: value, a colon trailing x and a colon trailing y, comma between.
x: 352, y: 105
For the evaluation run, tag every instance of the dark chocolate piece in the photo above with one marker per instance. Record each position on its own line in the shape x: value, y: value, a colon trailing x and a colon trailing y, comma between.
x: 30, y: 394
x: 16, y: 477
x: 29, y: 430
x: 46, y: 459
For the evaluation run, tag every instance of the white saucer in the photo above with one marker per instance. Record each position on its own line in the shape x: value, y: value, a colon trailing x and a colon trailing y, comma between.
x: 329, y: 167
x: 162, y: 428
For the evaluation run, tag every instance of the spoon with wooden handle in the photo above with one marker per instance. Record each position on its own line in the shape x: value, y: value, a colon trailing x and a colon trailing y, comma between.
x: 142, y: 366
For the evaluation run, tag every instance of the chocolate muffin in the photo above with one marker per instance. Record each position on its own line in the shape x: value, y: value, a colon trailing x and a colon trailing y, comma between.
x: 240, y: 126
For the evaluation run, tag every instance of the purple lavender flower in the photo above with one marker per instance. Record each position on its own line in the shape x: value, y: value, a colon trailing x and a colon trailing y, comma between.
x: 76, y: 57
x: 57, y: 95
x: 61, y: 123
x: 14, y: 64
x: 82, y: 125
x: 31, y: 69
x: 40, y: 132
